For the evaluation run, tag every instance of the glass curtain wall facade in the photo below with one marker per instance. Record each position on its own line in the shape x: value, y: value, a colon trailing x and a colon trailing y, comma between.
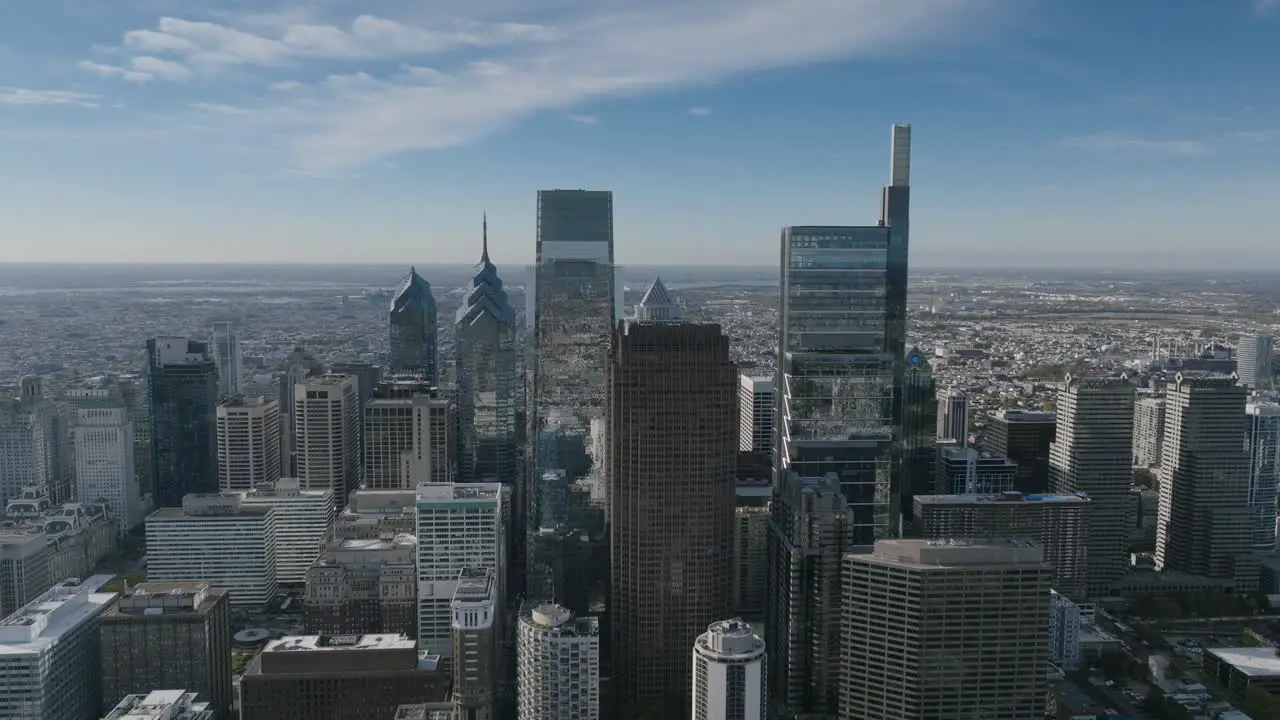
x: 919, y: 429
x: 486, y: 379
x: 573, y: 310
x: 1263, y: 445
x: 414, y: 331
x: 183, y: 382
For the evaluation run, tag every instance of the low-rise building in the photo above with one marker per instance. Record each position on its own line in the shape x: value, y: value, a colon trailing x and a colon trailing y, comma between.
x: 1237, y: 669
x: 161, y: 705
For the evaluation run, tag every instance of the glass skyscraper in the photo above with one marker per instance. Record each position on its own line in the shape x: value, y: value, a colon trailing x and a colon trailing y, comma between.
x: 1263, y: 445
x: 413, y: 329
x: 573, y: 306
x: 183, y: 382
x: 486, y: 378
x: 841, y: 355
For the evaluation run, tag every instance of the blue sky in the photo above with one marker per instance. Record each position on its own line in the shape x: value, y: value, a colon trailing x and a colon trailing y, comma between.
x: 1074, y: 132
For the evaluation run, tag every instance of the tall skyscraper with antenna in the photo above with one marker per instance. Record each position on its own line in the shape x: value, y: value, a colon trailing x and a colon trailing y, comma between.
x: 485, y: 338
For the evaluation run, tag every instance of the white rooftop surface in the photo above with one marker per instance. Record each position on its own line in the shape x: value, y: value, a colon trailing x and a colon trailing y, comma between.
x: 1252, y: 661
x: 373, y: 641
x: 155, y: 705
x: 41, y: 623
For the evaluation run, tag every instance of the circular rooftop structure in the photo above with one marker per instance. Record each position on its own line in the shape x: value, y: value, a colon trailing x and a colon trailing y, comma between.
x: 251, y: 636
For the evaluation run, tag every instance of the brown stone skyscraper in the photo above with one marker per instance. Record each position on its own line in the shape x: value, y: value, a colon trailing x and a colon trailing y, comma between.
x: 673, y: 442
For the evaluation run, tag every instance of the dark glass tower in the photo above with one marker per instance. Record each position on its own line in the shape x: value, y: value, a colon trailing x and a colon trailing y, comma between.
x: 673, y: 448
x: 919, y: 429
x: 1025, y: 438
x: 486, y: 385
x: 182, y: 379
x: 413, y: 329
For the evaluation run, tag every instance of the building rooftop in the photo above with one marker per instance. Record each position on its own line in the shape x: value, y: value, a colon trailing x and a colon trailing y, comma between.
x: 201, y: 506
x: 335, y: 643
x: 433, y: 492
x: 1254, y: 662
x: 160, y: 705
x: 1027, y: 416
x: 730, y: 639
x: 166, y: 598
x: 953, y: 552
x: 1011, y: 497
x: 41, y: 623
x: 474, y: 585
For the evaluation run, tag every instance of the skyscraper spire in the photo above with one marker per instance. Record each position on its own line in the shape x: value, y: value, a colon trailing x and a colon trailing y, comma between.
x: 484, y: 251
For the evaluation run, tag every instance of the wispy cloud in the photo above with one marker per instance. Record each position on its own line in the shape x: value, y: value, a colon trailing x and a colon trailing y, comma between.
x: 1266, y: 7
x: 699, y: 111
x: 585, y: 119
x: 27, y: 96
x: 1113, y: 142
x: 142, y: 69
x: 485, y: 75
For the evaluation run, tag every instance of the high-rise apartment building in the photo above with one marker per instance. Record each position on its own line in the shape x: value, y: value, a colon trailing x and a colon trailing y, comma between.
x: 303, y: 521
x: 1205, y: 524
x: 919, y: 428
x: 459, y: 526
x: 810, y: 531
x: 945, y: 629
x: 218, y: 539
x: 1057, y: 522
x: 1024, y: 437
x: 1148, y: 431
x: 1253, y: 360
x: 573, y: 306
x: 326, y: 431
x: 729, y: 673
x: 104, y: 444
x: 953, y: 416
x: 755, y: 413
x: 842, y: 353
x: 414, y: 329
x: 673, y: 449
x: 477, y: 634
x: 165, y: 635
x: 225, y: 345
x: 162, y: 705
x: 1263, y: 445
x: 248, y: 442
x: 750, y: 559
x: 557, y: 665
x: 1092, y: 454
x: 485, y: 339
x: 356, y: 677
x: 964, y: 470
x: 24, y: 567
x: 182, y: 380
x: 49, y: 653
x: 28, y: 442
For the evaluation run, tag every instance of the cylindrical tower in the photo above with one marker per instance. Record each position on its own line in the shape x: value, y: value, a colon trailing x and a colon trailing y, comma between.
x: 728, y: 673
x: 558, y: 665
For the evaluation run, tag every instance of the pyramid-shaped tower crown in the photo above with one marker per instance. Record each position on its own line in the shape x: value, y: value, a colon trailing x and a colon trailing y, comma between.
x: 656, y: 305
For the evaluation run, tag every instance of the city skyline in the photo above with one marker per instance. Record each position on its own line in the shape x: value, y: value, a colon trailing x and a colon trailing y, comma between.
x: 352, y: 125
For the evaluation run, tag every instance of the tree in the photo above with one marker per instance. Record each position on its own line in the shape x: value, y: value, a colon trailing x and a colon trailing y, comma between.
x: 1259, y: 703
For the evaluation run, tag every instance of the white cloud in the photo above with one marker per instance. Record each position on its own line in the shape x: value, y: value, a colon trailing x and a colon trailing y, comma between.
x: 699, y: 111
x: 219, y: 108
x: 141, y: 69
x: 602, y: 48
x: 287, y: 86
x: 1265, y: 7
x: 27, y: 96
x: 104, y: 70
x: 1112, y: 142
x: 585, y: 119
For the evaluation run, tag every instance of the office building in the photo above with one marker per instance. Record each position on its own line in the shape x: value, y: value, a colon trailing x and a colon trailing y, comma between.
x: 367, y: 376
x: 750, y: 560
x: 164, y: 635
x: 326, y: 432
x: 810, y: 531
x: 673, y: 449
x: 1148, y: 431
x: 1024, y: 437
x: 49, y: 653
x: 572, y: 306
x: 485, y: 338
x: 729, y: 673
x: 964, y: 470
x: 1064, y: 632
x: 77, y: 535
x: 24, y: 567
x: 1253, y: 361
x: 162, y: 705
x: 28, y: 442
x: 303, y: 521
x: 362, y: 585
x: 1262, y: 443
x: 425, y: 711
x: 182, y: 380
x: 352, y: 677
x: 1206, y: 523
x: 128, y: 391
x: 105, y: 464
x: 459, y: 527
x: 755, y: 413
x: 825, y: 355
x: 477, y: 634
x: 414, y: 329
x: 1092, y: 454
x: 953, y: 417
x: 225, y: 346
x: 377, y: 513
x: 248, y: 442
x: 945, y: 629
x: 408, y: 435
x: 919, y: 429
x: 219, y: 539
x: 557, y: 665
x: 1056, y: 522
